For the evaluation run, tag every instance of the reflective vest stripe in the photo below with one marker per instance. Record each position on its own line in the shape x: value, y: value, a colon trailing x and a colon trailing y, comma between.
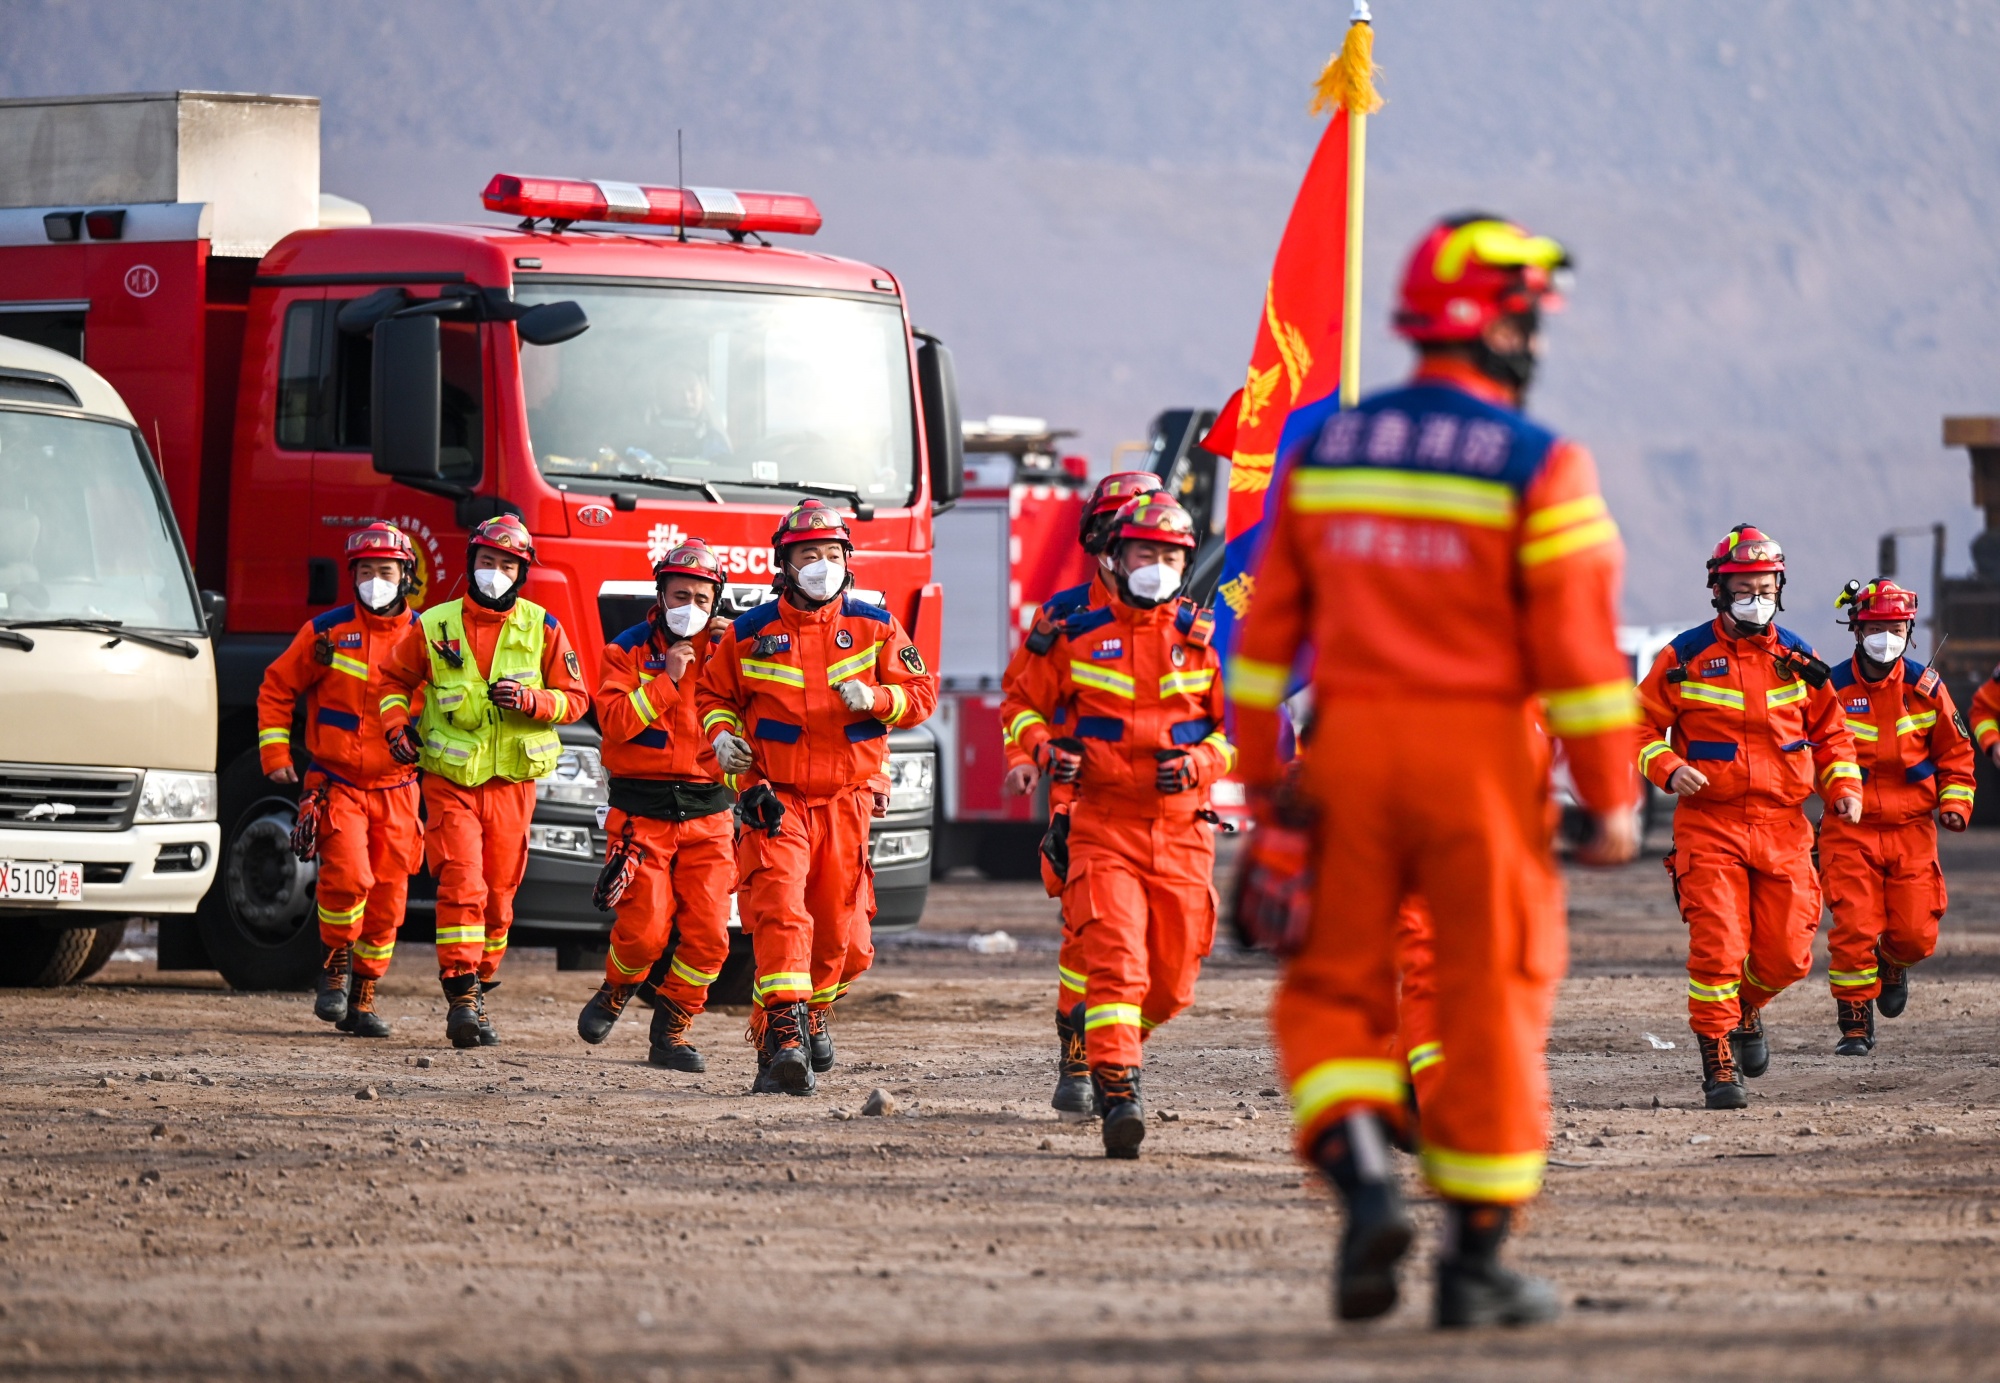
x: 853, y: 666
x: 1193, y: 680
x: 1404, y: 494
x: 1592, y: 710
x: 1260, y: 686
x: 350, y: 665
x: 1599, y: 533
x: 1104, y: 679
x: 1713, y: 696
x: 278, y: 734
x: 1788, y: 695
x: 783, y: 673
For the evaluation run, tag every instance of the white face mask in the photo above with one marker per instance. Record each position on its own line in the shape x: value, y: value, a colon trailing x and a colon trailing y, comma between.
x: 820, y: 579
x: 685, y: 621
x: 493, y: 583
x: 1155, y: 581
x: 1753, y: 609
x: 1884, y: 647
x: 377, y: 594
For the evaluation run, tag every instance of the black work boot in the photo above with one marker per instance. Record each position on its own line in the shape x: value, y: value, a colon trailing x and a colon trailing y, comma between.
x: 671, y: 1048
x: 330, y: 997
x: 1124, y: 1111
x: 1472, y: 1287
x: 1857, y: 1027
x: 1895, y: 995
x: 488, y: 1037
x: 783, y: 1065
x: 1721, y: 1085
x: 462, y: 1020
x: 1748, y: 1044
x: 819, y: 1037
x: 601, y: 1014
x: 1075, y: 1098
x: 362, y: 1020
x: 1376, y: 1232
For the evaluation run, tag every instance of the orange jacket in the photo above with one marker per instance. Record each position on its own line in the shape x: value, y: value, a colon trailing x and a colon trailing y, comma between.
x: 335, y: 662
x: 1914, y: 751
x: 652, y: 731
x: 1035, y: 649
x: 774, y: 679
x: 1763, y: 736
x: 559, y: 700
x: 1128, y: 682
x: 1986, y: 713
x: 1432, y: 542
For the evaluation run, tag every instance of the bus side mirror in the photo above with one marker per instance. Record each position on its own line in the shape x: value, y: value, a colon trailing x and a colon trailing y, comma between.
x: 408, y: 387
x: 945, y: 438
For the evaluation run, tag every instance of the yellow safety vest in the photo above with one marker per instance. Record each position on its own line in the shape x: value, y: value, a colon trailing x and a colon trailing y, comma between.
x: 466, y: 737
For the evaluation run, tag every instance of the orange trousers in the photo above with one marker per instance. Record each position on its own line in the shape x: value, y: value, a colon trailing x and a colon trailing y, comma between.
x: 1751, y: 902
x: 370, y: 843
x: 1443, y: 799
x: 1417, y: 1042
x: 1141, y: 900
x: 686, y: 873
x: 477, y: 839
x: 808, y: 895
x: 1885, y: 888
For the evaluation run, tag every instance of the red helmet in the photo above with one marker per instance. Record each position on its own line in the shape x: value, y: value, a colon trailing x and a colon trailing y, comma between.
x: 380, y: 539
x: 1155, y: 517
x: 1746, y: 548
x: 1473, y: 270
x: 692, y: 558
x: 1108, y: 498
x: 1881, y: 599
x: 506, y: 534
x: 811, y: 521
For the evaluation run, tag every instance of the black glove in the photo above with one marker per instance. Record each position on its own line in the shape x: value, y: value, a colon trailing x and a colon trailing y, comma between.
x: 305, y: 828
x: 760, y: 809
x: 404, y: 746
x: 1175, y: 772
x: 621, y: 866
x: 1055, y: 845
x: 1062, y: 758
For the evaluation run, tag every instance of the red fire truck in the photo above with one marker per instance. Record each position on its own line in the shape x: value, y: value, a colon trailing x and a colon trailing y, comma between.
x: 620, y: 364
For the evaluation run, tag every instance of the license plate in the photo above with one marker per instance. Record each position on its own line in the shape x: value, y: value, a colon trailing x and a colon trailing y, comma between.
x: 34, y: 881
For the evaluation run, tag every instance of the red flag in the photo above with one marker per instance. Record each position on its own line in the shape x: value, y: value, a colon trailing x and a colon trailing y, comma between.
x: 1297, y: 357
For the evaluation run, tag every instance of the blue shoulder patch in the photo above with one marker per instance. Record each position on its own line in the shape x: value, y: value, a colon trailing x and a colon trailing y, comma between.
x: 1843, y: 675
x: 635, y: 636
x: 1912, y: 670
x: 861, y: 609
x: 756, y: 618
x: 1184, y: 617
x: 549, y: 621
x: 339, y: 614
x: 1690, y: 642
x: 1063, y: 604
x: 1083, y: 621
x: 1794, y: 642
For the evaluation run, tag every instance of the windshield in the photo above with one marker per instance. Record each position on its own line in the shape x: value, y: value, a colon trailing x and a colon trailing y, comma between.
x: 84, y: 533
x: 726, y: 387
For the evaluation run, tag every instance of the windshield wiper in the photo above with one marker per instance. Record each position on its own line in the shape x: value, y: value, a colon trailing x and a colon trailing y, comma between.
x: 674, y: 482
x: 114, y: 627
x: 863, y: 510
x: 20, y: 641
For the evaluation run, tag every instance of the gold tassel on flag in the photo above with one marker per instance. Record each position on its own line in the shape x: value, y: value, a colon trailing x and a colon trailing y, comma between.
x: 1347, y: 83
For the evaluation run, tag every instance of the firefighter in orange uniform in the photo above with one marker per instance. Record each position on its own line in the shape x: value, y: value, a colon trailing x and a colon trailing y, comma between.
x: 1985, y: 715
x: 1133, y: 688
x: 1741, y: 725
x: 799, y: 697
x: 671, y: 855
x: 1029, y: 675
x: 497, y: 676
x: 1881, y: 874
x: 1447, y: 559
x: 358, y: 805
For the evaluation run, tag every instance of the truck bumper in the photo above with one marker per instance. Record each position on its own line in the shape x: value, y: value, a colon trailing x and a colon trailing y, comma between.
x: 142, y: 887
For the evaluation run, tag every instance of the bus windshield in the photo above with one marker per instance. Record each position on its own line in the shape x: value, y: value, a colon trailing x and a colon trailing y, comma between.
x: 757, y: 389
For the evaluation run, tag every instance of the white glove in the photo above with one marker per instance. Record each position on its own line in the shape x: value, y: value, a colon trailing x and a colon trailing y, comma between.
x: 732, y: 753
x: 857, y: 696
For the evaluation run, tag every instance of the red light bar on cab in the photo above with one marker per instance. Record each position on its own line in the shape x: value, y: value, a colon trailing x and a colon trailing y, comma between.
x: 698, y: 208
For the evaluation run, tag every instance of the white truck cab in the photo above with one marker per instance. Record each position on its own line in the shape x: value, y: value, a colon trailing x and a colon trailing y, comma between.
x: 107, y: 679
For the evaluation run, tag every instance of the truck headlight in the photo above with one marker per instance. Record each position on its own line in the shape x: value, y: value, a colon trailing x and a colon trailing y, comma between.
x: 900, y: 847
x: 910, y: 781
x: 166, y: 796
x: 579, y: 779
x: 561, y: 840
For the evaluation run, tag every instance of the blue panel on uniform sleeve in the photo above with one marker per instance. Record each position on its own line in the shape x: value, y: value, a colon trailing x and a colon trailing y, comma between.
x: 1083, y: 621
x: 636, y: 636
x: 860, y: 730
x: 549, y: 621
x: 651, y: 738
x: 1920, y: 770
x: 339, y: 720
x: 1720, y: 750
x: 339, y: 614
x: 1191, y: 731
x: 1787, y: 639
x: 1689, y: 643
x: 1100, y: 728
x: 768, y: 729
x: 1843, y: 675
x: 1063, y: 604
x: 861, y: 609
x: 755, y: 619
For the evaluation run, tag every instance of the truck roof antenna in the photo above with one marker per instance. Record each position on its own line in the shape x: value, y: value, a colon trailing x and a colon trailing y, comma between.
x: 681, y: 182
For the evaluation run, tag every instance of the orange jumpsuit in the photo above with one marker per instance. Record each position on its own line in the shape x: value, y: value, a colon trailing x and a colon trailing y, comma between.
x: 1985, y: 713
x: 1882, y: 877
x: 808, y: 893
x: 477, y: 837
x: 667, y: 789
x: 1015, y: 716
x: 1742, y: 861
x: 1446, y: 558
x: 1127, y: 683
x: 370, y: 840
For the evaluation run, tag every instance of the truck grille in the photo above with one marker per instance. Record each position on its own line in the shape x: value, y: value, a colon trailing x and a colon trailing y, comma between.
x: 101, y: 799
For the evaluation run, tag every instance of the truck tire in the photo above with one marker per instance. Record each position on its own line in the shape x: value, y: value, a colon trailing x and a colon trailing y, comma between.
x: 34, y: 955
x: 258, y: 921
x: 732, y: 988
x: 1009, y: 850
x: 110, y: 937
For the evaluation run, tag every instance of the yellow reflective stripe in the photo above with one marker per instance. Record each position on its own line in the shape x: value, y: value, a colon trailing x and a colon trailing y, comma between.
x: 458, y: 936
x: 899, y: 702
x: 720, y: 716
x: 277, y: 735
x: 1104, y: 679
x: 1254, y: 684
x: 1220, y: 743
x: 1985, y: 727
x: 825, y: 996
x: 1110, y: 1015
x: 395, y: 701
x: 1070, y: 979
x: 774, y: 672
x: 853, y: 666
x: 1022, y: 722
x: 1653, y: 751
x: 382, y: 952
x: 1483, y: 1176
x: 1425, y: 1055
x: 1600, y: 533
x: 1788, y: 695
x: 495, y: 943
x: 1712, y: 993
x: 1713, y: 696
x: 562, y: 705
x: 733, y: 782
x: 1853, y: 979
x: 1840, y: 768
x: 1148, y: 1024
x: 1922, y: 720
x: 690, y: 974
x: 1866, y: 731
x: 1192, y: 680
x: 642, y: 705
x: 342, y: 917
x: 1407, y: 494
x: 1957, y: 792
x: 793, y: 980
x: 1570, y: 511
x: 628, y: 970
x: 1594, y: 709
x: 1373, y: 1080
x: 352, y: 666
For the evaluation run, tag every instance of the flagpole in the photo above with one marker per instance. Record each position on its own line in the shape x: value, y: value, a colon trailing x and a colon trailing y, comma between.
x: 1349, y: 84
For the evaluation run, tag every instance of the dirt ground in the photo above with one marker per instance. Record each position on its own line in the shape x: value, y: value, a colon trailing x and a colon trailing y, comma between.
x: 192, y: 1188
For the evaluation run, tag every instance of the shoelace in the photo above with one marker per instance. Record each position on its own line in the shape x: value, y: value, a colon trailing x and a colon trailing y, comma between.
x: 338, y: 964
x: 362, y: 1000
x: 816, y: 1022
x: 1117, y: 1083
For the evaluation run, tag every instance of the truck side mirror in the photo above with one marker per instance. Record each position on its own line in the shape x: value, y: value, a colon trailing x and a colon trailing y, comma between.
x: 551, y: 324
x: 214, y: 611
x: 408, y: 388
x: 938, y: 383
